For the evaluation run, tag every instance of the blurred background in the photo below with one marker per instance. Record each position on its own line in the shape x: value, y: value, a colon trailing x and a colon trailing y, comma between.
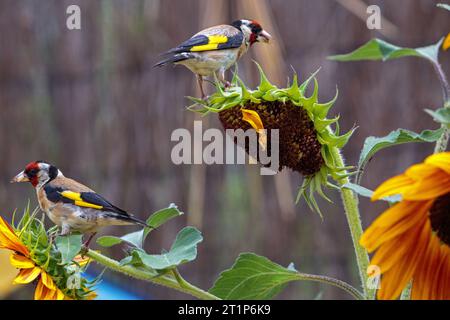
x: 90, y: 102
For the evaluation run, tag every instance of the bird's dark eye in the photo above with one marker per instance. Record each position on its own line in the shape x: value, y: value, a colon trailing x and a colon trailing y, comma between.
x: 256, y: 29
x: 32, y: 172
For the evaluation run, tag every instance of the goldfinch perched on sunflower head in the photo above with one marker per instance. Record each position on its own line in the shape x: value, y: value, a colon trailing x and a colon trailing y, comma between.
x: 71, y: 205
x: 214, y: 50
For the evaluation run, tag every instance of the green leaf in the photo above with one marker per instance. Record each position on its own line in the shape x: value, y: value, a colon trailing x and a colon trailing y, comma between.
x: 183, y: 250
x: 367, y: 193
x: 252, y: 277
x: 441, y: 115
x: 69, y: 246
x: 377, y: 49
x: 443, y: 6
x: 162, y: 216
x: 108, y: 241
x: 137, y: 238
x: 374, y: 144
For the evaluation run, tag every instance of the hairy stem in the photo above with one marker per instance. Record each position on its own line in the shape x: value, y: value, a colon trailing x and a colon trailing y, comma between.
x: 334, y: 282
x: 442, y: 143
x: 177, y: 283
x: 350, y: 201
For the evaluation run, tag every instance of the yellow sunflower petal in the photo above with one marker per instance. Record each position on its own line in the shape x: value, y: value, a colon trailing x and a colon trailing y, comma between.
x: 430, y: 187
x: 253, y: 118
x: 390, y: 253
x: 9, y: 239
x: 91, y: 296
x: 21, y: 262
x: 440, y: 160
x: 446, y: 43
x: 395, y: 221
x: 48, y: 281
x: 396, y: 185
x: 82, y: 261
x: 422, y: 288
x: 59, y: 295
x: 421, y: 171
x: 27, y: 275
x: 40, y: 291
x: 44, y: 293
x: 393, y: 281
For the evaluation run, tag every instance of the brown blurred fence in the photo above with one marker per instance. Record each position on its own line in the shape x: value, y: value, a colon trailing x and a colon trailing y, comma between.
x: 89, y: 102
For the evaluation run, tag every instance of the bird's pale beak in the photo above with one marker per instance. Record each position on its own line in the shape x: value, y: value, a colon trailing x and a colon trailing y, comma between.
x: 264, y: 36
x: 21, y: 177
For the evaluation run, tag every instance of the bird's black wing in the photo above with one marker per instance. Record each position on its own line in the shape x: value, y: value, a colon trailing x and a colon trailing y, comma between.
x: 90, y: 200
x: 210, y: 42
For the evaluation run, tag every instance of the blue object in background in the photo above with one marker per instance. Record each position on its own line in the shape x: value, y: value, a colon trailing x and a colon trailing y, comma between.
x: 109, y: 291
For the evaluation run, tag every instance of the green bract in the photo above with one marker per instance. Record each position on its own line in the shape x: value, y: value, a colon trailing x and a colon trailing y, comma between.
x: 306, y: 134
x: 57, y: 262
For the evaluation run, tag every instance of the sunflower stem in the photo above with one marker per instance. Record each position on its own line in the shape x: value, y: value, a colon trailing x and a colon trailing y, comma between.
x: 442, y: 143
x: 334, y: 282
x: 350, y: 201
x: 177, y: 283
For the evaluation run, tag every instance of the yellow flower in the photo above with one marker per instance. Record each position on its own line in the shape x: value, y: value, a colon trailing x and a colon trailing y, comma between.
x: 412, y: 238
x: 28, y: 270
x: 446, y: 43
x: 253, y: 118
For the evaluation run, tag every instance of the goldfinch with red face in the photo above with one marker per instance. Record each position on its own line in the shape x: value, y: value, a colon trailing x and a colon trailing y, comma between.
x: 214, y: 50
x: 71, y: 205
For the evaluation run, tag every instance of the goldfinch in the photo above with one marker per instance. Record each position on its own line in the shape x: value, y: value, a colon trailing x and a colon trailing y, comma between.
x: 214, y: 50
x: 71, y: 205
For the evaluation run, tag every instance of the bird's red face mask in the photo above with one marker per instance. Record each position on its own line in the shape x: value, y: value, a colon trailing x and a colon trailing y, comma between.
x: 30, y: 174
x: 258, y: 33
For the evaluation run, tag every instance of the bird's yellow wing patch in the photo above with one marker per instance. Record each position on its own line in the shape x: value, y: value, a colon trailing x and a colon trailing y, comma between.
x: 213, y: 44
x: 78, y: 201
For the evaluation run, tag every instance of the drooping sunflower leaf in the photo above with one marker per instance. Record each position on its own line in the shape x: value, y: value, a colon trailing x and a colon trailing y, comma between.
x: 69, y: 246
x: 184, y: 249
x: 162, y: 216
x: 137, y: 238
x: 441, y: 115
x: 367, y: 193
x: 374, y: 144
x: 443, y: 6
x: 108, y: 241
x: 379, y: 50
x: 133, y: 238
x: 253, y: 277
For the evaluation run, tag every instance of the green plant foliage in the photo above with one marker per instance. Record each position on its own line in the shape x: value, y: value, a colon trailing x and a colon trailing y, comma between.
x: 441, y: 115
x: 252, y: 277
x: 137, y: 238
x: 184, y: 249
x: 69, y: 246
x: 55, y: 258
x: 379, y: 50
x: 239, y: 95
x: 400, y: 136
x: 108, y: 241
x: 367, y: 193
x: 160, y: 217
x: 443, y: 6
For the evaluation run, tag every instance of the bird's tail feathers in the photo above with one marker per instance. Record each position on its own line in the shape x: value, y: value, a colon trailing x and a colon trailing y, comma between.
x: 139, y: 222
x: 174, y: 59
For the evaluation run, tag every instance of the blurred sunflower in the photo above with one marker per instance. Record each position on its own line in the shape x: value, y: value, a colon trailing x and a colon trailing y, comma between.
x: 307, y: 141
x: 31, y: 267
x: 20, y: 258
x: 412, y: 238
